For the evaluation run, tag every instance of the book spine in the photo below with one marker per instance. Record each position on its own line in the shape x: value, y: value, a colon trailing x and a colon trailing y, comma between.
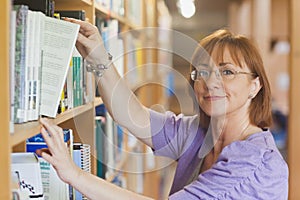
x: 70, y: 87
x: 74, y: 66
x: 81, y: 78
x: 37, y: 63
x: 30, y: 37
x: 21, y: 20
x: 101, y: 167
x: 12, y: 46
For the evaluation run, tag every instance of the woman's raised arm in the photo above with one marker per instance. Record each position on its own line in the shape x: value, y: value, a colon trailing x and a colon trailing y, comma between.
x: 119, y: 100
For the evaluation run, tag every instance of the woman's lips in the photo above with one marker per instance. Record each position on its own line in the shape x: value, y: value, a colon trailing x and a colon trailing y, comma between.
x: 214, y: 98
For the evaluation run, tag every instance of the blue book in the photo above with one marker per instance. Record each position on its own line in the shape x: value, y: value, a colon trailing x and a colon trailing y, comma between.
x: 38, y: 142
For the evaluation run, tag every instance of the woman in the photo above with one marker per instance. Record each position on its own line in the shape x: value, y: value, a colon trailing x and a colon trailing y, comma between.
x: 225, y: 152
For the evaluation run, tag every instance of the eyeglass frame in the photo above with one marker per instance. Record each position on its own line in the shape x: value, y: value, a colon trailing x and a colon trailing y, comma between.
x: 218, y: 75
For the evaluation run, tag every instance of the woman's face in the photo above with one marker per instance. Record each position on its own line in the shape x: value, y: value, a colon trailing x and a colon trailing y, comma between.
x: 225, y: 89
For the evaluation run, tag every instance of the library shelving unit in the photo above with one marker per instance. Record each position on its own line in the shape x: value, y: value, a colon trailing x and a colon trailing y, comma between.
x: 82, y: 118
x: 294, y: 126
x: 5, y: 148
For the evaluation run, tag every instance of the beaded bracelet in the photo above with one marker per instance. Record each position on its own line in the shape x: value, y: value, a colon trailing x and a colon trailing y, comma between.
x: 98, y: 69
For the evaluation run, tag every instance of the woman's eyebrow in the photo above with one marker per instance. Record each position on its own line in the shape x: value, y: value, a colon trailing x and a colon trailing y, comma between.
x: 204, y: 65
x: 221, y: 64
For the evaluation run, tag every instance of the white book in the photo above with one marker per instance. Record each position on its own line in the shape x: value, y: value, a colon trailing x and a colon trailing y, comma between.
x: 26, y: 166
x: 109, y: 146
x: 59, y: 39
x: 54, y: 188
x: 37, y: 64
x: 12, y: 49
x: 29, y: 64
x: 82, y: 158
x: 70, y: 87
x: 41, y: 74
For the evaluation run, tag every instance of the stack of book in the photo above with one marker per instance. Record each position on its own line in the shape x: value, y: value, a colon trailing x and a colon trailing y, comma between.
x: 41, y: 50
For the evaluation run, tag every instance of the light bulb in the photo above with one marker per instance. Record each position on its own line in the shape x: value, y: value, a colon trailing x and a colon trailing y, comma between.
x: 187, y: 8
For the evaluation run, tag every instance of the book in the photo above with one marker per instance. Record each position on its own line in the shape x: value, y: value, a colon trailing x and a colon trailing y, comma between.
x: 58, y: 44
x: 76, y: 14
x: 27, y: 168
x: 43, y: 50
x: 77, y: 66
x: 82, y: 158
x: 70, y: 87
x: 29, y: 59
x: 100, y: 146
x: 45, y: 6
x: 19, y: 63
x: 12, y: 49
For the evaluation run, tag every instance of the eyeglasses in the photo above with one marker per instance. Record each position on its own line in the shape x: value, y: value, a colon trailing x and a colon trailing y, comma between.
x: 225, y: 72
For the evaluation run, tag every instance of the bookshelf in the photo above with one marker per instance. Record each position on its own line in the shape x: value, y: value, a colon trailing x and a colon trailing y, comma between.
x: 4, y: 103
x: 294, y: 117
x: 76, y: 118
x: 24, y: 131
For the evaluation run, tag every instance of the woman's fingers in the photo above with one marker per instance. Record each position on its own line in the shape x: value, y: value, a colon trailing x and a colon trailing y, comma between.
x: 46, y: 154
x: 52, y: 134
x: 84, y: 41
x: 46, y: 123
x: 43, y: 150
x: 81, y: 49
x: 46, y: 136
x: 86, y: 28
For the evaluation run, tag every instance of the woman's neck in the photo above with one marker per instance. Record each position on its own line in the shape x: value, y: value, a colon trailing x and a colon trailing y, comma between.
x: 229, y: 130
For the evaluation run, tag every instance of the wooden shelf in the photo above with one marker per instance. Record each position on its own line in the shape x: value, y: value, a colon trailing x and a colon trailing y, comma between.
x: 29, y: 129
x: 98, y: 101
x: 79, y: 119
x: 88, y: 2
x: 76, y: 2
x: 109, y: 14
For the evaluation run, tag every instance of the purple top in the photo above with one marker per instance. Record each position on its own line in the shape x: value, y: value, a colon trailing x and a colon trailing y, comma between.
x: 248, y: 169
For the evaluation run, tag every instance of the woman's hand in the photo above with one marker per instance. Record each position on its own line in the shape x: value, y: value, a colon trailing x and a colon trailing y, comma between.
x: 57, y: 153
x: 89, y: 42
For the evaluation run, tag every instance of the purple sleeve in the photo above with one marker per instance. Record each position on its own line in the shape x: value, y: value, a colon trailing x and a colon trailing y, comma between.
x: 242, y: 171
x: 171, y: 134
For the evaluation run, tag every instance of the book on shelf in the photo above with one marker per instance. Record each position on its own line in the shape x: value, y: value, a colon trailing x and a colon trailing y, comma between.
x: 17, y: 193
x: 77, y: 78
x: 134, y: 11
x: 45, y: 6
x: 115, y: 6
x: 12, y: 50
x: 82, y: 158
x: 78, y: 87
x: 53, y: 187
x: 25, y: 166
x: 100, y: 146
x: 113, y: 146
x: 43, y: 49
x: 76, y: 14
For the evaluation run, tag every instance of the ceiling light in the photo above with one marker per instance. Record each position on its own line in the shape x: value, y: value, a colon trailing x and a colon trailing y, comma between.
x: 186, y: 7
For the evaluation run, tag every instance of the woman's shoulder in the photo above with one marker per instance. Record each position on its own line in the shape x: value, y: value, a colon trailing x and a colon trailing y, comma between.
x: 170, y: 118
x: 257, y: 152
